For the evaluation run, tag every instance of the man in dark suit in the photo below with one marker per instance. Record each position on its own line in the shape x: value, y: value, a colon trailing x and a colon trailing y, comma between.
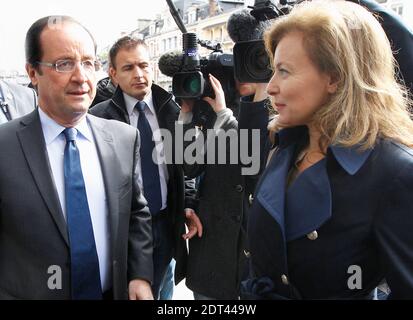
x: 73, y: 221
x: 146, y: 106
x: 15, y: 101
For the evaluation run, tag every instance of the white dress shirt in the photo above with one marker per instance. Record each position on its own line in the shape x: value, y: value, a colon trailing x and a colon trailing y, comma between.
x: 92, y: 175
x: 150, y: 114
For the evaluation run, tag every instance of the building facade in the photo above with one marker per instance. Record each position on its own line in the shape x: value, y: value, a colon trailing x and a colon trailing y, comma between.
x: 207, y: 19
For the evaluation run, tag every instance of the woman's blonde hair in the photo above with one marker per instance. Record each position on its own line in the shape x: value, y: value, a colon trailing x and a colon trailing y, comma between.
x: 345, y: 41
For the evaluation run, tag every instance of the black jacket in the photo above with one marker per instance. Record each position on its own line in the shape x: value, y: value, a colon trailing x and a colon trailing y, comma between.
x: 217, y: 260
x: 181, y: 191
x: 104, y: 91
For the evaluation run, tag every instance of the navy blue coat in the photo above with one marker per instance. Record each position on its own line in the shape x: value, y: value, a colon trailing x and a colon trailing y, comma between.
x: 350, y: 209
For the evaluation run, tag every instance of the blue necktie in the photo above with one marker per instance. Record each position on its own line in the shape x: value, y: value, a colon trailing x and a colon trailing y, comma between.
x: 150, y: 170
x: 85, y: 275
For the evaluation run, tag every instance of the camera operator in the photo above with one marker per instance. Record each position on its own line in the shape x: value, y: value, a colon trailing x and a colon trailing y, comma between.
x: 217, y: 261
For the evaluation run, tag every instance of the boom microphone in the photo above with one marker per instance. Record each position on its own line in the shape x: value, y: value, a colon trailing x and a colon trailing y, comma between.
x: 242, y: 26
x: 170, y: 63
x: 251, y: 63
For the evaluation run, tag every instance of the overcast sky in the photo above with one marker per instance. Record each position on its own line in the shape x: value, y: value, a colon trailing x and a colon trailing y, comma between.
x: 105, y: 19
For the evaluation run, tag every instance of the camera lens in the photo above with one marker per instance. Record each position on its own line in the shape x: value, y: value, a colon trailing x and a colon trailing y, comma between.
x: 192, y: 85
x: 251, y: 62
x: 256, y: 63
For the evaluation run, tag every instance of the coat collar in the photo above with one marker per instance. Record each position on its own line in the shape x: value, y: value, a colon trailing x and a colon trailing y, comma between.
x: 307, y: 211
x: 351, y: 159
x: 160, y: 98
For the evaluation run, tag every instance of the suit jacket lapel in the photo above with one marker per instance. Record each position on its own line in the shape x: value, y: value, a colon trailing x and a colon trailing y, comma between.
x: 34, y: 148
x: 110, y: 165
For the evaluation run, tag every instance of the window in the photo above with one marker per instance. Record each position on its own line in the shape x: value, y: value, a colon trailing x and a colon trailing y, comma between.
x: 191, y: 16
x: 398, y: 8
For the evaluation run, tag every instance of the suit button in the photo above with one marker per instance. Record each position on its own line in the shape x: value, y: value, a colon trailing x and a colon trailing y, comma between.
x: 250, y: 199
x: 247, y: 254
x: 313, y: 235
x: 284, y: 279
x: 239, y: 188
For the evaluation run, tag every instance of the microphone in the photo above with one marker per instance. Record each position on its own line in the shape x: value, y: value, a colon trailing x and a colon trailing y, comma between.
x: 170, y: 63
x: 242, y: 26
x: 251, y: 63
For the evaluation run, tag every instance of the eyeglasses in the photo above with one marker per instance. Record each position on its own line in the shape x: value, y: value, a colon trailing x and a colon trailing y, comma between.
x: 68, y: 65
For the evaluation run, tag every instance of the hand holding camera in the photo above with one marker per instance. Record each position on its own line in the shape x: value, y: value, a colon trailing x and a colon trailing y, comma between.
x: 218, y: 104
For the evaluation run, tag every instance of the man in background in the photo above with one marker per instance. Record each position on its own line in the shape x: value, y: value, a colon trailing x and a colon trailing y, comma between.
x: 146, y: 106
x: 15, y: 101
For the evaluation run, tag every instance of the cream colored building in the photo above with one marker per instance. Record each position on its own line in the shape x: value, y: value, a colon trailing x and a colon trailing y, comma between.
x: 162, y: 35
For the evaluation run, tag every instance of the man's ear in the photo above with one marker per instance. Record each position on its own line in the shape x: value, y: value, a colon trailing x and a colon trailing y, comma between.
x: 112, y: 73
x: 32, y: 73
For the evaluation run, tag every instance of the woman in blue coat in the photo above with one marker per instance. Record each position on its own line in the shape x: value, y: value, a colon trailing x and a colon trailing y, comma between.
x: 333, y: 211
